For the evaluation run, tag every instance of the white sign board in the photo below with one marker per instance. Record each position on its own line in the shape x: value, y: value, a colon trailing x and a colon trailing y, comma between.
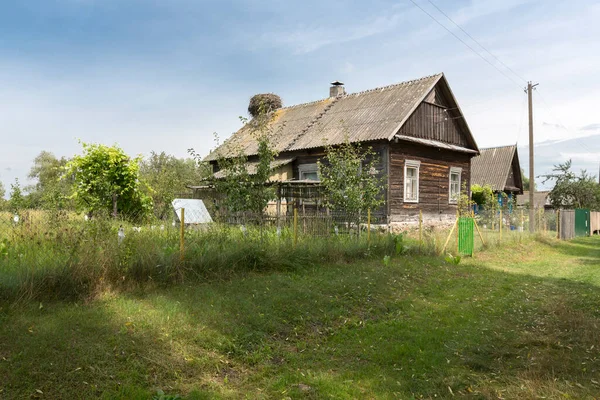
x: 195, y: 211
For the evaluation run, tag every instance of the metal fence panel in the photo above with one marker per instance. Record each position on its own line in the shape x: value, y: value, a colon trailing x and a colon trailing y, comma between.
x: 582, y: 222
x: 465, y: 236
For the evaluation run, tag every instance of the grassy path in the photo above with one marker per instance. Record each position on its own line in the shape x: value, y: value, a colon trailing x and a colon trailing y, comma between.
x: 520, y: 322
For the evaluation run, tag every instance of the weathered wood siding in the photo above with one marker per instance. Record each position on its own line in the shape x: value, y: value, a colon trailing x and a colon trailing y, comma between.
x: 431, y: 121
x: 434, y: 179
x: 381, y: 152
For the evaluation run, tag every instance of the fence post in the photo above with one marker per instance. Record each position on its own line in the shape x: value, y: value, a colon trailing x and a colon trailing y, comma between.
x: 522, y: 221
x: 457, y: 233
x: 420, y: 230
x: 500, y: 224
x: 295, y: 225
x: 369, y: 226
x: 182, y: 235
x: 558, y: 224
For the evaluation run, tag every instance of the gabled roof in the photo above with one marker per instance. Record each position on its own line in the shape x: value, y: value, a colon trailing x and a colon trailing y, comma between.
x: 375, y: 114
x: 493, y: 167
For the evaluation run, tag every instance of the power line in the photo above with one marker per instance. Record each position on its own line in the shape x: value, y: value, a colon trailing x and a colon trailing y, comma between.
x: 473, y: 39
x: 466, y: 44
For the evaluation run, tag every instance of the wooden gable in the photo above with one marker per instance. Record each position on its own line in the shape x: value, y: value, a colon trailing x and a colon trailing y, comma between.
x: 439, y: 118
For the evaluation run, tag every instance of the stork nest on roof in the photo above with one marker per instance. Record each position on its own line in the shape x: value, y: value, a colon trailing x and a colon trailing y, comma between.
x: 264, y: 103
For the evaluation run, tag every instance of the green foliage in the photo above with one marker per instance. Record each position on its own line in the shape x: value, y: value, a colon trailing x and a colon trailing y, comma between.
x: 464, y: 203
x: 572, y: 191
x: 49, y: 192
x: 160, y: 395
x: 351, y: 181
x: 105, y: 177
x: 244, y: 189
x: 2, y: 199
x: 450, y: 259
x: 386, y: 260
x: 399, y: 244
x: 17, y: 200
x: 168, y: 176
x: 331, y: 330
x: 4, y: 244
x: 483, y: 195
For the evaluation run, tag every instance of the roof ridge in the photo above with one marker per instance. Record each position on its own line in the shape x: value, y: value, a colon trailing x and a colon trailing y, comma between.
x: 409, y: 82
x: 499, y: 147
x: 364, y: 91
x: 310, y: 103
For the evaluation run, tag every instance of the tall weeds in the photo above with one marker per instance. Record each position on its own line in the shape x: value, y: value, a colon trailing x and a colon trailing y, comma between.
x: 73, y: 259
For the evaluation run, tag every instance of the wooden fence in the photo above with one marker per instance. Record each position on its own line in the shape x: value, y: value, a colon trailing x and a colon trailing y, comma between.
x: 594, y: 223
x: 567, y: 224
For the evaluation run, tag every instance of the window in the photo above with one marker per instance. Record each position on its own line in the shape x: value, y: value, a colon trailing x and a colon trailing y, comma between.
x: 454, y: 185
x: 411, y: 181
x: 308, y: 172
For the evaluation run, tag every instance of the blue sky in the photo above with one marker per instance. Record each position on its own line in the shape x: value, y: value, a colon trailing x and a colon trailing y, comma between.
x: 164, y: 75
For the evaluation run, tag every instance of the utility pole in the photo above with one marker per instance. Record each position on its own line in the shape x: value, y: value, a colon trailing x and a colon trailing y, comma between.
x: 529, y: 91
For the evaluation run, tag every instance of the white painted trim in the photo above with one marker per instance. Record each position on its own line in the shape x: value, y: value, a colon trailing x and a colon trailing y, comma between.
x: 411, y: 164
x: 454, y: 170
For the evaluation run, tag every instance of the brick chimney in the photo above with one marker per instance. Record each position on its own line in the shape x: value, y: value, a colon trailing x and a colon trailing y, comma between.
x: 337, y: 89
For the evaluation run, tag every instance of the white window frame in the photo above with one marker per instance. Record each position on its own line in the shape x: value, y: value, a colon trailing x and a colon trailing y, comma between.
x: 411, y: 164
x: 454, y: 170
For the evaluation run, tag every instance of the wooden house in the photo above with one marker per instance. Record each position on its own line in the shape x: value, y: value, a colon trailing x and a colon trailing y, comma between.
x: 416, y: 128
x: 499, y: 168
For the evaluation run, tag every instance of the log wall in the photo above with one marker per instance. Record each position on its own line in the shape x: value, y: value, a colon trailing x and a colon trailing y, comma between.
x: 434, y: 181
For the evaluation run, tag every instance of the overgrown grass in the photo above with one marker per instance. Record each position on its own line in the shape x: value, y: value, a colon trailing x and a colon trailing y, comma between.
x: 72, y: 259
x: 518, y: 322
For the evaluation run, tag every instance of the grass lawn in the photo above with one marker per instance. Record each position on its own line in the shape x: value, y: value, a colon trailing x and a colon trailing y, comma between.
x: 513, y: 322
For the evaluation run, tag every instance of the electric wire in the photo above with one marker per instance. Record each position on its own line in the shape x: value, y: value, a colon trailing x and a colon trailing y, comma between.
x: 473, y: 39
x: 466, y: 44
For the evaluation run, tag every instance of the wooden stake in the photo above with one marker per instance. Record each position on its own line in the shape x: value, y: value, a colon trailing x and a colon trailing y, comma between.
x: 369, y: 226
x: 478, y: 231
x: 420, y: 230
x: 500, y: 222
x: 295, y: 225
x: 182, y: 236
x: 449, y: 236
x: 558, y: 224
x: 457, y: 230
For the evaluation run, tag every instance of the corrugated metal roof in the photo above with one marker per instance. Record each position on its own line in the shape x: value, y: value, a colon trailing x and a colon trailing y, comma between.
x: 492, y: 167
x: 286, y: 125
x: 357, y: 117
x: 252, y: 166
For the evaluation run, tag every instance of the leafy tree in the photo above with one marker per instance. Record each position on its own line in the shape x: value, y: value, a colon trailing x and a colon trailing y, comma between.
x: 483, y: 195
x: 2, y: 194
x: 351, y: 180
x: 572, y: 191
x: 168, y: 176
x: 17, y: 200
x: 49, y: 192
x: 106, y: 179
x: 243, y: 186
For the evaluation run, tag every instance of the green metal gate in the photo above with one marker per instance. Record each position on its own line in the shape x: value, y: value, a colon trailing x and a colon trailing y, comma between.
x: 466, y: 237
x: 582, y: 222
